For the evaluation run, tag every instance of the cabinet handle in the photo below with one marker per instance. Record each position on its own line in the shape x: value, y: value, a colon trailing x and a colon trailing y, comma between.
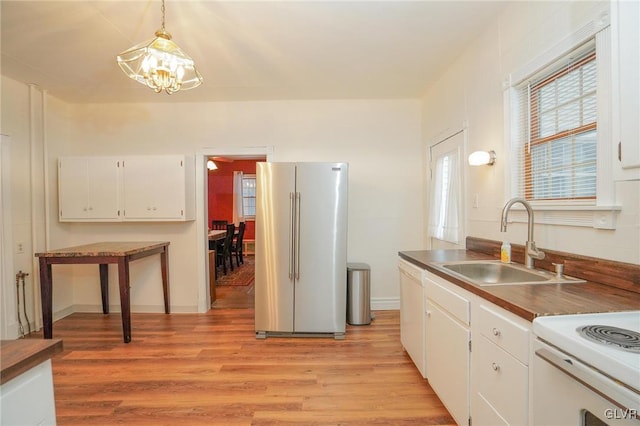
x: 496, y: 332
x: 495, y: 367
x: 428, y: 314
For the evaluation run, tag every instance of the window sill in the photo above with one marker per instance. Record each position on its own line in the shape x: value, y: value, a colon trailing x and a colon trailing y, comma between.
x: 598, y: 217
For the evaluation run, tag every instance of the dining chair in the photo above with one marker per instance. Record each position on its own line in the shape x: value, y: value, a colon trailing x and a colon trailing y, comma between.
x: 219, y: 224
x: 224, y: 252
x: 236, y: 247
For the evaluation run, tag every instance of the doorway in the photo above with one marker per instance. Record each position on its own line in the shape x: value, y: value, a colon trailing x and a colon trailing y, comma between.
x: 233, y: 288
x: 446, y: 194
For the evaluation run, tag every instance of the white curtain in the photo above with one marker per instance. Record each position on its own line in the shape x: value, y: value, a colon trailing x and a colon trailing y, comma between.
x: 238, y: 210
x: 445, y: 223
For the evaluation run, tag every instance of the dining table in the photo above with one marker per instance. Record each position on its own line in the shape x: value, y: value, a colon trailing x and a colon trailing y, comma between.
x: 217, y: 234
x: 102, y: 253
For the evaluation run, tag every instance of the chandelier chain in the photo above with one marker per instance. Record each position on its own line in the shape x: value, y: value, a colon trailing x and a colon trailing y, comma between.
x: 162, y: 15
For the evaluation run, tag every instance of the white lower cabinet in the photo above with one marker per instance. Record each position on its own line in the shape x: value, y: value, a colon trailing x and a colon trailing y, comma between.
x: 500, y: 358
x: 29, y: 398
x: 476, y: 354
x: 447, y: 336
x: 412, y: 313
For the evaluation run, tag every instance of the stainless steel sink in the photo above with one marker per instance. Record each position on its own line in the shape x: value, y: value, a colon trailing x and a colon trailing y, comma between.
x: 491, y: 273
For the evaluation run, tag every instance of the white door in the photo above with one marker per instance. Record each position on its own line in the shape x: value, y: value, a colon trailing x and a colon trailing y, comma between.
x: 446, y: 200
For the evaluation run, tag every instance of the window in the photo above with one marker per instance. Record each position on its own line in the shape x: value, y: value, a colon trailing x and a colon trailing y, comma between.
x: 445, y: 216
x: 249, y: 196
x: 558, y: 150
x: 558, y: 117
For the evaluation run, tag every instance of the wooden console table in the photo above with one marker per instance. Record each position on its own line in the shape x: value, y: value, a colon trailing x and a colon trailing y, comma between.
x: 120, y: 253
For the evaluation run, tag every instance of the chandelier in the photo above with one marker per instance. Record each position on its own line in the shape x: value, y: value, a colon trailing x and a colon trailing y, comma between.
x: 160, y: 64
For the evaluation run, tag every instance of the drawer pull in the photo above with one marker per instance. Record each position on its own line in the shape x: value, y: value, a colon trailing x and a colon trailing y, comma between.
x: 495, y: 367
x: 496, y: 332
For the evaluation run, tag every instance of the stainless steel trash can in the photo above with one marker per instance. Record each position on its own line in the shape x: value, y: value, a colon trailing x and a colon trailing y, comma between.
x: 358, y: 294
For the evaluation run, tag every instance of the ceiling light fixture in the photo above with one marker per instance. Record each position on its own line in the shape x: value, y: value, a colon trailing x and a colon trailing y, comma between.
x: 480, y: 158
x: 160, y: 64
x: 211, y: 165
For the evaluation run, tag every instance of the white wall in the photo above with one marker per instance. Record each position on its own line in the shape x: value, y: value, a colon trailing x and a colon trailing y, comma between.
x: 380, y: 140
x: 471, y: 91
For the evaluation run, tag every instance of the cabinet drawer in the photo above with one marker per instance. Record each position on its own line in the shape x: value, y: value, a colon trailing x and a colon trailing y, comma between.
x: 505, y: 332
x: 455, y: 304
x: 502, y: 381
x: 410, y: 270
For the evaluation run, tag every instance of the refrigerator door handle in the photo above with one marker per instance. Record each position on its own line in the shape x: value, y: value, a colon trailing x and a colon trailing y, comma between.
x: 291, y: 233
x: 297, y: 238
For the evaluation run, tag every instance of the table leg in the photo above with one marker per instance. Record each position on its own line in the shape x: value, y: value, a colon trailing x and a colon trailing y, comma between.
x: 46, y: 297
x: 125, y: 303
x: 164, y: 264
x: 104, y: 287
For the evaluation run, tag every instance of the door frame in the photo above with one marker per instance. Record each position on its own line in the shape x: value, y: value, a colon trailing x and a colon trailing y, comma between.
x: 202, y: 213
x: 448, y: 136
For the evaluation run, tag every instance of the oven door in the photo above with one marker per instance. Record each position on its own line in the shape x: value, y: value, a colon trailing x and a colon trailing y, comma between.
x: 568, y: 392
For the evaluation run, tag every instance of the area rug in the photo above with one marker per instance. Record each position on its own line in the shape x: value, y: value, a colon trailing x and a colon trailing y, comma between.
x: 241, y: 276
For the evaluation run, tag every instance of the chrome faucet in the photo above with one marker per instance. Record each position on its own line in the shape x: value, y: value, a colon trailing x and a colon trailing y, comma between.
x: 530, y: 250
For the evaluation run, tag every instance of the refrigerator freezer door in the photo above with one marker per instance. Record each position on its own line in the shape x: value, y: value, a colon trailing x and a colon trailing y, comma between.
x: 274, y: 285
x: 321, y: 252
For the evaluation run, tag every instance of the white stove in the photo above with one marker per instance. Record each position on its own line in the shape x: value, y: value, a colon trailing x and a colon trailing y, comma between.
x: 599, y: 355
x: 562, y: 332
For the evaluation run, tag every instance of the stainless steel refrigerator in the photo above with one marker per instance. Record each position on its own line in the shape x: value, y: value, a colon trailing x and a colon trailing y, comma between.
x: 301, y: 249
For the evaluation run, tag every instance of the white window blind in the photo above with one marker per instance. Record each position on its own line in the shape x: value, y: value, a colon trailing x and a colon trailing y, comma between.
x: 555, y: 142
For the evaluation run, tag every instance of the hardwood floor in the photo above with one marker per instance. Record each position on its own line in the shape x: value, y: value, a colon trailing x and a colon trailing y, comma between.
x: 190, y: 369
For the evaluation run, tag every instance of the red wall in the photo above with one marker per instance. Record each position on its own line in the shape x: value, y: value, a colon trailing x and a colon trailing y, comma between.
x: 221, y: 192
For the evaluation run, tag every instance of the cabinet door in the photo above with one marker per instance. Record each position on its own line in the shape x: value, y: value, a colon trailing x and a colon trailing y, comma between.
x: 88, y: 188
x: 412, y: 314
x: 73, y: 188
x: 626, y: 32
x: 154, y: 188
x: 502, y: 382
x: 448, y: 360
x: 103, y: 185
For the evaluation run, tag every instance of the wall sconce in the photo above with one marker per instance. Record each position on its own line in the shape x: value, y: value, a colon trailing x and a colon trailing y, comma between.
x: 211, y: 165
x: 480, y: 158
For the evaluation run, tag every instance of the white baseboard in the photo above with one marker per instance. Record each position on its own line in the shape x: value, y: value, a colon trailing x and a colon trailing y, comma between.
x: 146, y: 309
x: 385, y: 304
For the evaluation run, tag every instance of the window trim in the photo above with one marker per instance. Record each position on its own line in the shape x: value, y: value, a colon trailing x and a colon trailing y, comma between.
x: 248, y: 217
x: 583, y: 212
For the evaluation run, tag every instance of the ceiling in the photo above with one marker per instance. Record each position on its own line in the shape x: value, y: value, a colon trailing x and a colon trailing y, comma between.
x: 245, y: 50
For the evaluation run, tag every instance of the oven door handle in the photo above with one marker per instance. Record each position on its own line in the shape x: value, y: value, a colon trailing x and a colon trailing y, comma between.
x: 577, y: 371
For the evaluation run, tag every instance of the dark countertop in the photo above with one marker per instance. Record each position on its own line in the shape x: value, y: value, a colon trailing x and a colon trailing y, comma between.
x: 21, y: 355
x: 531, y: 300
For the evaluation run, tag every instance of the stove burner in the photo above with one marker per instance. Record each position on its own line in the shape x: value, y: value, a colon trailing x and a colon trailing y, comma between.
x: 619, y: 338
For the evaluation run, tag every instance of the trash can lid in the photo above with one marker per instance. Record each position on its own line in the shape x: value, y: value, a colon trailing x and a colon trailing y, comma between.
x: 358, y: 266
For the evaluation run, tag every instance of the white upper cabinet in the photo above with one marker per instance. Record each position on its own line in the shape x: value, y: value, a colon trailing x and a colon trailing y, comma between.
x: 88, y: 189
x: 626, y: 102
x: 137, y: 188
x: 157, y: 188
